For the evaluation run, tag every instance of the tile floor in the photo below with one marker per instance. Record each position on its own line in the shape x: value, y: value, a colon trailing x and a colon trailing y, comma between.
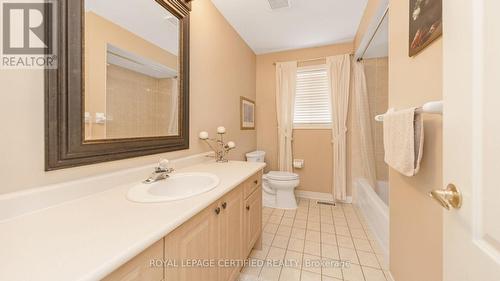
x: 316, y: 243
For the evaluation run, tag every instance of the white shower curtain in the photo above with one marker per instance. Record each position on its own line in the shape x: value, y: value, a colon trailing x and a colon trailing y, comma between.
x: 286, y: 76
x: 339, y: 68
x: 363, y: 162
x: 173, y: 126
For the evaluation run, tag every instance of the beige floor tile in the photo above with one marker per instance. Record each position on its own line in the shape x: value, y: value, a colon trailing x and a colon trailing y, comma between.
x: 313, y: 226
x: 383, y: 263
x: 327, y: 220
x: 296, y: 245
x: 311, y: 263
x: 250, y: 270
x: 267, y: 238
x: 328, y: 278
x: 278, y: 212
x: 328, y: 238
x: 309, y: 276
x: 363, y: 245
x: 299, y: 233
x: 274, y: 219
x: 342, y: 230
x: 301, y: 216
x: 270, y: 273
x: 284, y: 230
x: 267, y: 211
x: 347, y: 254
x: 293, y: 259
x: 313, y: 218
x: 368, y: 259
x: 345, y: 241
x: 358, y: 233
x: 289, y: 213
x: 287, y: 221
x: 300, y: 223
x: 353, y: 273
x: 313, y: 236
x: 372, y: 274
x: 312, y: 248
x: 260, y: 254
x: 376, y: 247
x: 280, y: 241
x: 331, y: 268
x: 290, y: 274
x: 328, y: 228
x: 276, y: 254
x: 271, y: 228
x: 330, y: 251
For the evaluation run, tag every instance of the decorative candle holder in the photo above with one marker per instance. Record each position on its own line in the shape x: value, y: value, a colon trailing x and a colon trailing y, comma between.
x: 220, y: 148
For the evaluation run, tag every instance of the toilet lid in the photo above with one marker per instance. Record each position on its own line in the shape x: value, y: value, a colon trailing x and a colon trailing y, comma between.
x: 282, y: 176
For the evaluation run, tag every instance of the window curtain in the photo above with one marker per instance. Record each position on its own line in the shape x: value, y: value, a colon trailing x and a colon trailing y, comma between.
x: 173, y: 126
x: 286, y: 76
x: 339, y: 69
x: 363, y: 163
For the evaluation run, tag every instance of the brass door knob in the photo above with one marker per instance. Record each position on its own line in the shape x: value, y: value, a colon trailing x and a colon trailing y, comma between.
x: 448, y: 198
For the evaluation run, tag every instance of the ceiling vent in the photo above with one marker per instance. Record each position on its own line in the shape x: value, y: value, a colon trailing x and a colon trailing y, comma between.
x: 279, y: 4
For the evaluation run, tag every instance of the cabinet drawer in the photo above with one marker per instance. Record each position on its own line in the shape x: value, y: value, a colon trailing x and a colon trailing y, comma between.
x: 139, y: 268
x: 251, y: 184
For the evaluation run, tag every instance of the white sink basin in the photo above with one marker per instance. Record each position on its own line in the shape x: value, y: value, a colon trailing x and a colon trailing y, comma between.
x: 178, y: 186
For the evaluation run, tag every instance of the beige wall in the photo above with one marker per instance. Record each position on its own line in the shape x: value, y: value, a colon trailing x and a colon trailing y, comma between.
x: 312, y: 178
x: 377, y: 84
x: 415, y: 220
x: 222, y: 69
x: 315, y: 147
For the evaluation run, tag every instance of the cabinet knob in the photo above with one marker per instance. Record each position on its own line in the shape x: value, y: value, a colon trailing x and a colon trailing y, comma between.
x: 217, y: 210
x: 248, y: 207
x: 256, y: 181
x: 224, y: 205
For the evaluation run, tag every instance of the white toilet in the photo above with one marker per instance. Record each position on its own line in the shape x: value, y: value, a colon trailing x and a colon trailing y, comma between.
x: 277, y: 187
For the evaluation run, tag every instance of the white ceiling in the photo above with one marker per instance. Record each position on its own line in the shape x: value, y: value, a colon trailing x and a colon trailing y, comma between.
x: 307, y: 23
x: 145, y: 18
x: 379, y: 46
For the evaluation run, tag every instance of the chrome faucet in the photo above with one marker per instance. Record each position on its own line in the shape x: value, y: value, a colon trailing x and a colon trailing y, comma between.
x: 161, y: 172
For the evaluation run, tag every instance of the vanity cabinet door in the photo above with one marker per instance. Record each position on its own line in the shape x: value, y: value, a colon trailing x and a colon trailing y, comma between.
x: 139, y: 268
x: 231, y: 230
x: 252, y: 220
x: 197, y: 240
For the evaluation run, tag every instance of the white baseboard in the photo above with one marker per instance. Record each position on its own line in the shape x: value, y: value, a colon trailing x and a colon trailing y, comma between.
x: 320, y: 196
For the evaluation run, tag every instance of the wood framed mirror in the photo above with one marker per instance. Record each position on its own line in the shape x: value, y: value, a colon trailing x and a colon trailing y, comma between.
x: 121, y: 88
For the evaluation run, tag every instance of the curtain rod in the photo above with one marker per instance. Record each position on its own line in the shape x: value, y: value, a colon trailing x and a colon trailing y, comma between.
x: 373, y: 35
x: 306, y: 60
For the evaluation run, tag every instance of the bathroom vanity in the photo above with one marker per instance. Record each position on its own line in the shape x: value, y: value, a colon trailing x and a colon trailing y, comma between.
x: 205, y: 246
x: 99, y: 234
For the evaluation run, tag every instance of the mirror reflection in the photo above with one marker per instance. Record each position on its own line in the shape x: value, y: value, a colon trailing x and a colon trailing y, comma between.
x: 131, y: 70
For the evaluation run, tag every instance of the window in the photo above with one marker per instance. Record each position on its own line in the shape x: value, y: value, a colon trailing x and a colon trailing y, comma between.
x: 312, y: 98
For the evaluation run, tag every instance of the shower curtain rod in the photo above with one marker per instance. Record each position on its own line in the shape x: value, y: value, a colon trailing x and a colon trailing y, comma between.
x: 373, y: 35
x: 306, y: 60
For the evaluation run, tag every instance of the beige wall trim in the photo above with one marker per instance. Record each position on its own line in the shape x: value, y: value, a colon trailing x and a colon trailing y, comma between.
x: 320, y: 196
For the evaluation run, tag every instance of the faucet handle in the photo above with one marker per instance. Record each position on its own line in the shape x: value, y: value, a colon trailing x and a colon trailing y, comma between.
x: 163, y: 163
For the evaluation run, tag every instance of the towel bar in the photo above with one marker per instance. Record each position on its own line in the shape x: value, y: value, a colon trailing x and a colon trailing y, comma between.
x: 432, y: 107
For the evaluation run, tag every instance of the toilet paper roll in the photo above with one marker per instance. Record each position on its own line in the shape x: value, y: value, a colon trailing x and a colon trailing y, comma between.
x: 298, y: 163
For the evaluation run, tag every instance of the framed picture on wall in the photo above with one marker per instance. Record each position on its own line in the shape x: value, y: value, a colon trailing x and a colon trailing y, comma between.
x: 426, y: 24
x: 247, y: 114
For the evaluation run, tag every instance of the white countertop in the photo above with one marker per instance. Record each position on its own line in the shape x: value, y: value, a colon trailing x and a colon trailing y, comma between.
x: 88, y: 238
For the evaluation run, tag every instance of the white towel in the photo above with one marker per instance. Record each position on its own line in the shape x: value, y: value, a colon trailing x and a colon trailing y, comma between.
x: 404, y: 141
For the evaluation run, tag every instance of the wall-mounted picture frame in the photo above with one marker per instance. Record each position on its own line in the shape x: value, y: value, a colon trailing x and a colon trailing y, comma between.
x: 247, y: 114
x: 426, y: 24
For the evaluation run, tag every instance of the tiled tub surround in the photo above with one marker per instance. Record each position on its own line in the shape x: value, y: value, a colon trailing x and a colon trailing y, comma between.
x: 314, y: 233
x: 89, y: 237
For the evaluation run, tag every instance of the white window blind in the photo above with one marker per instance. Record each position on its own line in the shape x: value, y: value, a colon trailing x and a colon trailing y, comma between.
x: 312, y: 97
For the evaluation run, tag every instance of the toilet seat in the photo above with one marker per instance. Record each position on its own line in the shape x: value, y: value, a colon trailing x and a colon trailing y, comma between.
x: 282, y: 176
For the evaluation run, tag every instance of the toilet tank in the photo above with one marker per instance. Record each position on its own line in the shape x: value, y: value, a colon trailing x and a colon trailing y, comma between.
x: 256, y: 156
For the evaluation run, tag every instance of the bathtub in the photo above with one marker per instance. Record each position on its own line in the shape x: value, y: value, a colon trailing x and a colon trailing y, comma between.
x: 373, y: 203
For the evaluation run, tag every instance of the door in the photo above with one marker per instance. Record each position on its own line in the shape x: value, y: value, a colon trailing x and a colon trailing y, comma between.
x: 190, y: 246
x: 253, y: 220
x: 471, y: 131
x: 231, y: 229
